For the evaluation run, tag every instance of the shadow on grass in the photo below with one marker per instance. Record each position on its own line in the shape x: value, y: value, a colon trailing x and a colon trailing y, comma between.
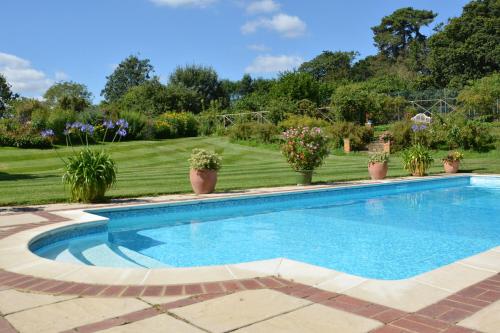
x: 20, y: 176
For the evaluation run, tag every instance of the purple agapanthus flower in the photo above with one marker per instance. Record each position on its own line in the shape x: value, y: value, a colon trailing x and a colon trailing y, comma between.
x: 77, y: 125
x: 47, y: 133
x: 121, y: 132
x: 122, y: 123
x: 108, y: 124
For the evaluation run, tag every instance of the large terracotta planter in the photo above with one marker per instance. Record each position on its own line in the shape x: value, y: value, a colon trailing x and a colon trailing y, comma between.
x: 378, y: 171
x: 203, y: 181
x: 451, y: 166
x: 304, y: 177
x: 347, y: 145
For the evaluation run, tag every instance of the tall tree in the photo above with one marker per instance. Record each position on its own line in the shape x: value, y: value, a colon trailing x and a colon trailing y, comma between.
x: 203, y: 80
x: 396, y: 31
x: 6, y: 94
x: 330, y: 66
x: 130, y: 72
x: 68, y: 95
x: 468, y: 47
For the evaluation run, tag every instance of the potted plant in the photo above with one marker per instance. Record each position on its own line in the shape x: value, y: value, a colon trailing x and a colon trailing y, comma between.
x: 451, y: 162
x: 417, y: 159
x: 90, y: 172
x: 204, y: 165
x: 386, y: 138
x: 378, y: 165
x: 305, y: 149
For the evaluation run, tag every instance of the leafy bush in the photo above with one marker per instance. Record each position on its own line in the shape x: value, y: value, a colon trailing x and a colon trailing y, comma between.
x: 453, y: 156
x: 58, y: 119
x: 23, y: 138
x: 260, y: 132
x: 176, y: 125
x: 417, y: 159
x: 379, y: 157
x: 139, y: 125
x: 305, y: 148
x: 302, y: 121
x: 89, y: 173
x: 202, y: 159
x: 359, y: 136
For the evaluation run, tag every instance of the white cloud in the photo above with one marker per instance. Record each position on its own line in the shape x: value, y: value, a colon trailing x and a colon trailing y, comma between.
x: 61, y: 76
x: 258, y: 47
x: 184, y: 3
x: 286, y: 25
x: 23, y: 78
x: 273, y: 64
x: 263, y: 6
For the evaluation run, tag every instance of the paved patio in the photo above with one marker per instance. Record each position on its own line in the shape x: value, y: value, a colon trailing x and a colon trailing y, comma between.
x: 462, y: 297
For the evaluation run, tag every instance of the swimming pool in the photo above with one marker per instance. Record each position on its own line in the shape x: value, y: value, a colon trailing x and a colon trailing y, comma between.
x: 385, y: 231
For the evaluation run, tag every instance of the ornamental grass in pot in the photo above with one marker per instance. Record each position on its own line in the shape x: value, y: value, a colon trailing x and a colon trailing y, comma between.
x: 417, y: 159
x: 204, y: 166
x: 451, y: 162
x: 378, y: 165
x: 305, y: 149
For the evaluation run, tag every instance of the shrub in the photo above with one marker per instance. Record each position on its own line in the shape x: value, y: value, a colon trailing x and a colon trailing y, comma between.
x: 139, y: 125
x: 89, y: 173
x: 294, y: 121
x: 305, y: 148
x: 417, y: 159
x: 202, y: 159
x: 58, y: 119
x: 359, y: 136
x: 260, y: 132
x: 176, y: 125
x: 23, y: 138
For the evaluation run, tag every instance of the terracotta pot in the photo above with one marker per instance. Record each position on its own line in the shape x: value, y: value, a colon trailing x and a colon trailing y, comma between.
x: 451, y: 166
x: 387, y: 147
x: 203, y: 181
x: 304, y: 177
x: 347, y: 145
x: 378, y: 170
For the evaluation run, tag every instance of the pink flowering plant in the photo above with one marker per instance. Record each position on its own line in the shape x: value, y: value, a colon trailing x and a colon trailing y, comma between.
x: 305, y: 148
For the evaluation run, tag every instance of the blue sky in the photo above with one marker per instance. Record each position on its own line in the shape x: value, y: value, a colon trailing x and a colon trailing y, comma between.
x: 82, y: 40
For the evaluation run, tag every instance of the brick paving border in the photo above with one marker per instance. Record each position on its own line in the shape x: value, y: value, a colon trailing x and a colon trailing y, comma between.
x: 440, y: 317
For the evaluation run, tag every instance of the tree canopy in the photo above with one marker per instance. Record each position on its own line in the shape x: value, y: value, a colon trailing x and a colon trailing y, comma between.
x: 330, y: 66
x: 6, y: 94
x: 68, y: 95
x: 130, y: 72
x: 396, y: 31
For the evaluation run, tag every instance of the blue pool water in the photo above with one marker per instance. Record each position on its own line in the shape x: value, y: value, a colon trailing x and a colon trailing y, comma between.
x: 389, y: 231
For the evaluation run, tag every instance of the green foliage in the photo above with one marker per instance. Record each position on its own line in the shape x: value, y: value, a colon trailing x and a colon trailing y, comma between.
x: 258, y: 132
x: 202, y: 159
x: 481, y: 96
x: 139, y: 125
x: 6, y: 94
x: 402, y: 135
x: 280, y: 108
x: 176, y: 125
x: 89, y: 173
x: 330, y: 66
x: 417, y: 159
x: 358, y: 135
x: 453, y: 156
x: 296, y: 86
x: 58, y: 119
x: 13, y: 135
x: 295, y: 121
x: 202, y: 80
x: 150, y: 98
x: 378, y: 157
x: 24, y: 108
x: 305, y: 148
x: 131, y: 72
x: 68, y: 95
x: 468, y: 47
x: 396, y: 31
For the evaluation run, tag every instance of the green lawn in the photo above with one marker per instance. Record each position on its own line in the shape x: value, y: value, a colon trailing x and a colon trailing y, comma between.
x: 29, y: 176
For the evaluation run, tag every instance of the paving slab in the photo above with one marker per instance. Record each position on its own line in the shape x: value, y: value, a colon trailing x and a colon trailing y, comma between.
x: 158, y: 324
x: 154, y: 300
x: 20, y: 219
x: 238, y: 309
x: 314, y: 319
x: 13, y: 301
x: 72, y: 313
x: 486, y: 320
